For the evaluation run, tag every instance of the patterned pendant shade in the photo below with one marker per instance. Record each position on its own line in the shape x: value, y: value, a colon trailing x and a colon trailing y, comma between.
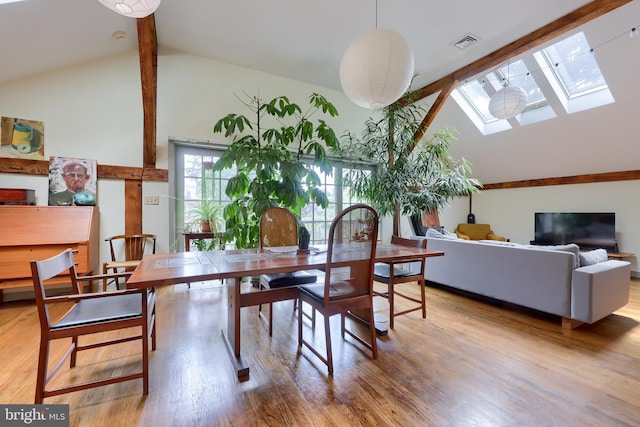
x: 376, y: 69
x: 132, y: 8
x: 508, y: 102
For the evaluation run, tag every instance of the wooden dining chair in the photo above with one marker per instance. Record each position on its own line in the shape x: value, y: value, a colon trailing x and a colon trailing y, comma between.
x: 88, y: 313
x: 348, y: 282
x: 278, y: 228
x: 391, y: 274
x: 128, y: 256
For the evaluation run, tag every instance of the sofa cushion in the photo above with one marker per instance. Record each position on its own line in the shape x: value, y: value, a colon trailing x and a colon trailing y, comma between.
x: 477, y: 232
x: 593, y: 257
x: 571, y: 247
x: 474, y: 231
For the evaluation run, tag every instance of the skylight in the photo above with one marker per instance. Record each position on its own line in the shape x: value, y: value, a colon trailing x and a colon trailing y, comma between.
x: 477, y: 97
x: 569, y: 68
x: 518, y: 75
x: 574, y: 66
x: 574, y: 74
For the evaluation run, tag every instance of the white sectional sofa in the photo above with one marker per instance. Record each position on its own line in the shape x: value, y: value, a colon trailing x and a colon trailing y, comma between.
x: 548, y: 279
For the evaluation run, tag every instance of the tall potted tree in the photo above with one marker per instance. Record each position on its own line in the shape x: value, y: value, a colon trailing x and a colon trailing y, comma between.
x: 409, y: 176
x: 269, y: 152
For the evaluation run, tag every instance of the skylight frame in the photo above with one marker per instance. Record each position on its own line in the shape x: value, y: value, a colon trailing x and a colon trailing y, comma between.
x: 592, y: 97
x: 542, y: 109
x: 517, y: 73
x: 558, y: 65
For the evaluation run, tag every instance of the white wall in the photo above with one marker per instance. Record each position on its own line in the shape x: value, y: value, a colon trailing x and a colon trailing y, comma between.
x: 94, y: 111
x: 511, y: 211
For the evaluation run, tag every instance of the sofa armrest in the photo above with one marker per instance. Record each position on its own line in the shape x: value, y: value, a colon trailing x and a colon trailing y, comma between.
x: 462, y: 235
x: 600, y: 289
x: 492, y: 236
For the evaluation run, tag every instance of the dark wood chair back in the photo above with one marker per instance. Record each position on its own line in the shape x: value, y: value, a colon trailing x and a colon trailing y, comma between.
x: 134, y: 245
x: 348, y: 285
x: 394, y: 273
x: 88, y: 313
x: 351, y: 250
x: 279, y: 227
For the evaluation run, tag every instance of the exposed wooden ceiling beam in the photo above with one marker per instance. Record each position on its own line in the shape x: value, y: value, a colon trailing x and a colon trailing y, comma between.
x: 567, y: 180
x: 540, y: 36
x: 433, y: 111
x: 148, y: 51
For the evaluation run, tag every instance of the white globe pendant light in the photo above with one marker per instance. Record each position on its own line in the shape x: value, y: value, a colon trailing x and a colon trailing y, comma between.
x: 132, y: 8
x: 377, y: 68
x: 508, y: 102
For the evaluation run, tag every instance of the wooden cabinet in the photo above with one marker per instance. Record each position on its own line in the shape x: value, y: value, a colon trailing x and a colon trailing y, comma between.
x: 38, y: 232
x: 17, y: 196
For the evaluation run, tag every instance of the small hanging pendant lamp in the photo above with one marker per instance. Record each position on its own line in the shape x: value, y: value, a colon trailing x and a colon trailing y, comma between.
x: 508, y: 102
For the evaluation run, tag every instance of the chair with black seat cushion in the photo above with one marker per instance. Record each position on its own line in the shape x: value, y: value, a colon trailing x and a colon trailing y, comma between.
x: 279, y: 228
x: 391, y: 275
x: 134, y: 247
x: 348, y: 281
x: 88, y: 313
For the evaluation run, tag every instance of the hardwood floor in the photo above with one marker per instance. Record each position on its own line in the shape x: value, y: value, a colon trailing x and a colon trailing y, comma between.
x: 471, y: 362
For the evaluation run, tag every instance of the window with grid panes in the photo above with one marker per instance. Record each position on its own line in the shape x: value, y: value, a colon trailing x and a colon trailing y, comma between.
x: 194, y: 182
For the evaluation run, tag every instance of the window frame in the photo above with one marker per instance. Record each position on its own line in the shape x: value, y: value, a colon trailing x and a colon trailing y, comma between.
x: 185, y: 147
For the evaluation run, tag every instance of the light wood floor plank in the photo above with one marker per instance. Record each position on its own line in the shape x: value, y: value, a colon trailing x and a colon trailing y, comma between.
x: 471, y: 362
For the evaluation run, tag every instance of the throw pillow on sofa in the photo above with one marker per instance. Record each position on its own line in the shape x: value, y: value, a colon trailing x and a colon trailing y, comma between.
x: 593, y: 257
x: 435, y: 234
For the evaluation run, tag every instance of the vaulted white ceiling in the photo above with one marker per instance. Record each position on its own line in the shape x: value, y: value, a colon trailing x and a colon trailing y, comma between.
x: 304, y: 40
x: 299, y: 39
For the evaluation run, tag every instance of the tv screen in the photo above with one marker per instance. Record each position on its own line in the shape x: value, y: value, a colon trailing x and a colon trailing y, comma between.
x: 587, y: 230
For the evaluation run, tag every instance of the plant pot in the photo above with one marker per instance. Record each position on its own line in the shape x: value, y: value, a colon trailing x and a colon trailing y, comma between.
x: 205, y: 227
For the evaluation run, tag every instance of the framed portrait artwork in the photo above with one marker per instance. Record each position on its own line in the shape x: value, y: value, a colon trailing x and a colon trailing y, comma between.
x: 72, y: 182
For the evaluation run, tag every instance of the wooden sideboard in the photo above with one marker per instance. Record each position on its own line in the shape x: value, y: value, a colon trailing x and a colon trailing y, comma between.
x: 38, y: 232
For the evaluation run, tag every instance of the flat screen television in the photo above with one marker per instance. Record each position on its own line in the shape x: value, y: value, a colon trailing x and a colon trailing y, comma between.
x: 587, y: 230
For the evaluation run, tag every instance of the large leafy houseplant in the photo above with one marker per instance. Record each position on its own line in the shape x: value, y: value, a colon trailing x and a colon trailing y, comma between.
x: 269, y: 153
x: 409, y: 176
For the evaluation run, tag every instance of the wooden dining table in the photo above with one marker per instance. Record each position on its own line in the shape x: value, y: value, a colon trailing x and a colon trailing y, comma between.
x: 232, y: 265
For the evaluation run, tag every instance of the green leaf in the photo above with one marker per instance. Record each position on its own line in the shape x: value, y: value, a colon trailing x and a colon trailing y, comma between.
x: 387, y: 136
x: 266, y: 156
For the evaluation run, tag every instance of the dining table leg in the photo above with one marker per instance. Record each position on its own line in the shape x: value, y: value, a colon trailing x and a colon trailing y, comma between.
x: 232, y: 336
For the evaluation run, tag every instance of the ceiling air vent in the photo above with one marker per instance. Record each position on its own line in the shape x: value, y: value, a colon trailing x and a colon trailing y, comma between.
x: 465, y: 41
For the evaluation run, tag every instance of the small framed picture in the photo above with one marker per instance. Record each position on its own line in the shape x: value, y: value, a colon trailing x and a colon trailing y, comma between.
x: 21, y: 138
